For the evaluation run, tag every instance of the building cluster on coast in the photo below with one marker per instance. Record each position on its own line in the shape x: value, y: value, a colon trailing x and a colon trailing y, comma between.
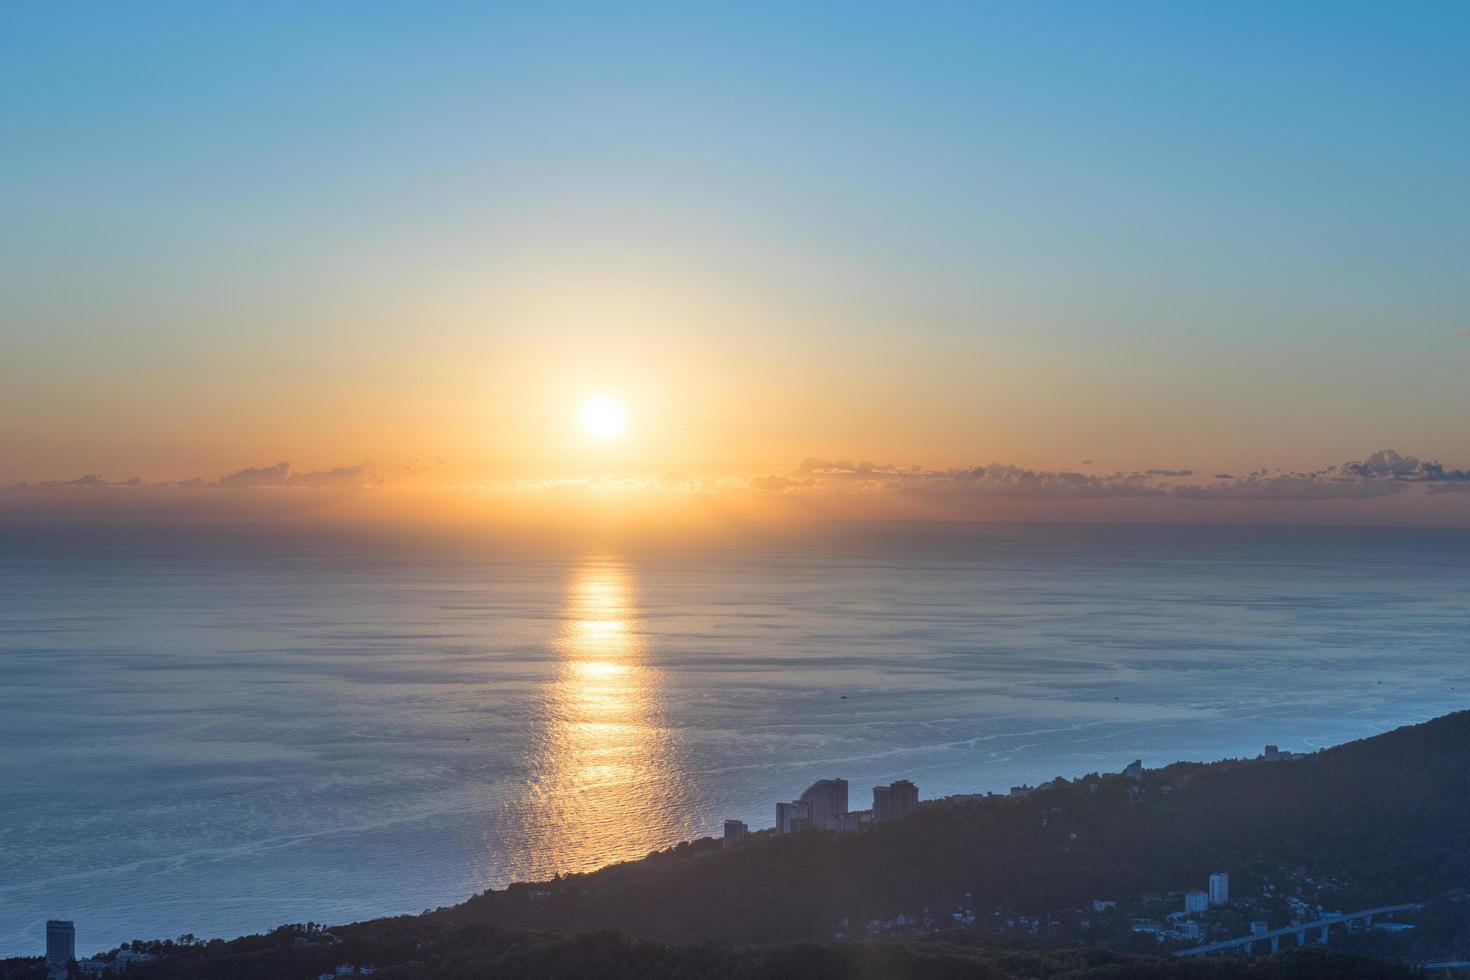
x: 61, y: 951
x: 824, y: 804
x: 1208, y: 910
x: 61, y: 954
x: 824, y: 807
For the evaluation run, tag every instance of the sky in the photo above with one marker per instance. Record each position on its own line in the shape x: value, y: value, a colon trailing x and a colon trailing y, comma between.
x: 965, y: 261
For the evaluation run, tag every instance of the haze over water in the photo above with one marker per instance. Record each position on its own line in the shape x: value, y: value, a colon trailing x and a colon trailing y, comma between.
x: 217, y: 732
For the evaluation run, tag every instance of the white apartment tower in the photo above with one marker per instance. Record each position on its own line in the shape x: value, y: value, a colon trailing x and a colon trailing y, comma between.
x: 828, y: 801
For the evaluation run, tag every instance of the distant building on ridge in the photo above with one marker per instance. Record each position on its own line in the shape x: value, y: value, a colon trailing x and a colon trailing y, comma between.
x: 61, y: 942
x: 792, y: 817
x: 735, y: 831
x: 1134, y: 770
x: 827, y: 799
x: 890, y: 802
x: 1219, y: 888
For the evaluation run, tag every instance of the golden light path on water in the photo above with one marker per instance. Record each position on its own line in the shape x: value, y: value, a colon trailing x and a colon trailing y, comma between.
x: 603, y: 783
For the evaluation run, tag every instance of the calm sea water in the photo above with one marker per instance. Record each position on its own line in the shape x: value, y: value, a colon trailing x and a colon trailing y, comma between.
x: 216, y: 732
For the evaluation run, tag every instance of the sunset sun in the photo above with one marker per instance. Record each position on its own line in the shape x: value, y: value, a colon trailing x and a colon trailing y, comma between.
x: 602, y: 418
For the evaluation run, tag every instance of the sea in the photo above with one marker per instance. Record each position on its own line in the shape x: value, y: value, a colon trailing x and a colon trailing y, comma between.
x: 219, y: 730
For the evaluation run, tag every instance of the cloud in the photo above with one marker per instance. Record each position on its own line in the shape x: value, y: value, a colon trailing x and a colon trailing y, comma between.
x: 1322, y: 485
x: 846, y: 487
x: 364, y: 474
x: 256, y: 476
x: 1384, y: 473
x: 1433, y: 472
x: 1385, y: 462
x: 88, y: 480
x: 994, y: 480
x: 1462, y: 333
x: 338, y: 478
x: 341, y: 477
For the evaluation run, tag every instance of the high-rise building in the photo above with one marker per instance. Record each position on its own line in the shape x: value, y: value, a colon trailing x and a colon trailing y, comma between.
x: 735, y: 831
x: 793, y: 816
x: 1195, y: 902
x: 883, y: 803
x: 895, y: 800
x: 61, y: 942
x: 906, y: 794
x: 828, y: 801
x: 1219, y: 888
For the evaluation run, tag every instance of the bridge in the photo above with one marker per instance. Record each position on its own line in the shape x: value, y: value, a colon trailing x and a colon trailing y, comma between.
x: 1273, y: 936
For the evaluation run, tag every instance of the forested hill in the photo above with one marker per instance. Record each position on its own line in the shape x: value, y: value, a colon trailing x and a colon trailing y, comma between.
x: 1389, y: 815
x: 493, y: 954
x: 1388, y: 818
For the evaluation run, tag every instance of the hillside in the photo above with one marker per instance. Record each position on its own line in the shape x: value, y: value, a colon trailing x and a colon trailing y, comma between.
x: 1388, y: 815
x: 1386, y: 819
x: 494, y: 953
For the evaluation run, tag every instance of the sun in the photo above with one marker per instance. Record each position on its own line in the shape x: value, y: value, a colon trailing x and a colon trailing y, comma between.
x: 602, y: 418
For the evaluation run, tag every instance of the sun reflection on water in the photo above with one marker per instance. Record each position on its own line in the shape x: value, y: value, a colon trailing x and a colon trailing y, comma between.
x: 603, y: 783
